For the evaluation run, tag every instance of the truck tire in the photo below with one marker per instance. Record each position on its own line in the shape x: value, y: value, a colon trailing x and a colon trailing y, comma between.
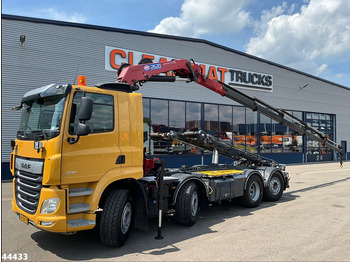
x: 187, y: 204
x: 116, y: 218
x: 253, y: 193
x: 274, y: 189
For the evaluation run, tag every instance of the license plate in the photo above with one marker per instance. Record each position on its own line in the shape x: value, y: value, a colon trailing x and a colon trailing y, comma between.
x: 24, y: 219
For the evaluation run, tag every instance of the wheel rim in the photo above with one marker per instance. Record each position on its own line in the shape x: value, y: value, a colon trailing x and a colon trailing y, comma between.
x: 126, y: 218
x: 194, y: 203
x: 275, y: 186
x: 254, y: 191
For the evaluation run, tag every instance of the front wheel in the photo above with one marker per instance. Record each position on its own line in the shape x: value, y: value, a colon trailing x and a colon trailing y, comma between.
x: 274, y: 190
x: 187, y: 204
x: 116, y: 218
x: 253, y: 193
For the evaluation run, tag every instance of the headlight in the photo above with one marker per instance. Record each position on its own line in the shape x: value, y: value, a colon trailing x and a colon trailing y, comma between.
x: 50, y: 205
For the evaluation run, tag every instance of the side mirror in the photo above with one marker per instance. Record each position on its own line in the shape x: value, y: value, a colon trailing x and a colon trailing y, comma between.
x: 82, y: 129
x: 85, y: 109
x: 84, y: 114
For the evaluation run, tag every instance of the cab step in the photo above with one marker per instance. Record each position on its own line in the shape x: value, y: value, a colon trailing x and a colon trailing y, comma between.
x: 81, y: 191
x: 78, y: 208
x: 80, y: 222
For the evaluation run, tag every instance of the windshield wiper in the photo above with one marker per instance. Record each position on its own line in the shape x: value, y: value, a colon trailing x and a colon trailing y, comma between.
x: 39, y: 134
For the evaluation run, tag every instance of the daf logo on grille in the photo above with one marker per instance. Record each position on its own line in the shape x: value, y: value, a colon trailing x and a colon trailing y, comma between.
x: 31, y: 166
x: 26, y: 166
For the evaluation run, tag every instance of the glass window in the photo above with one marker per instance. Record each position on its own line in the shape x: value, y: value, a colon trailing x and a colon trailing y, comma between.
x: 279, y: 137
x: 267, y: 141
x: 225, y: 124
x: 177, y: 116
x: 102, y: 119
x: 323, y: 123
x: 159, y: 121
x: 193, y: 116
x: 285, y: 139
x: 193, y: 123
x: 239, y: 129
x: 211, y: 119
x: 297, y: 139
x: 148, y: 143
x: 177, y: 123
x: 41, y: 118
x: 146, y: 111
x: 251, y: 130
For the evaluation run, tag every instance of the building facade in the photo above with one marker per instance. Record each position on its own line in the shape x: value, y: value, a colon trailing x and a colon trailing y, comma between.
x: 37, y: 52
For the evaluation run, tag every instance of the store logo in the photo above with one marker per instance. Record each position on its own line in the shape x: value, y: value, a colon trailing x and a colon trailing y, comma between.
x: 249, y: 78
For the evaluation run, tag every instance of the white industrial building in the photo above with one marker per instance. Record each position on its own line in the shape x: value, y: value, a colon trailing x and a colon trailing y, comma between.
x: 37, y: 52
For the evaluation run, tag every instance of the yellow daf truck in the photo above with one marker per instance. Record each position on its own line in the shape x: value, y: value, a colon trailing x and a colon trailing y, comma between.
x: 78, y: 159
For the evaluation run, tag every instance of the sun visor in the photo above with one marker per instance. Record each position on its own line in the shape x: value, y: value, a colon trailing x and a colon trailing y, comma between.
x: 46, y: 91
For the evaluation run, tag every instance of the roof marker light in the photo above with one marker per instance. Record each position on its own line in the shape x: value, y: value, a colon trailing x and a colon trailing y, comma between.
x: 82, y: 80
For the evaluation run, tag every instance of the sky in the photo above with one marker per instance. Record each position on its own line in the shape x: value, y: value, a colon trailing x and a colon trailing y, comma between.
x: 312, y: 36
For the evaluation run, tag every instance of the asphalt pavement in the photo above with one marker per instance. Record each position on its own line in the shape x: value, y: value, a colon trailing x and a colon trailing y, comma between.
x: 311, y: 222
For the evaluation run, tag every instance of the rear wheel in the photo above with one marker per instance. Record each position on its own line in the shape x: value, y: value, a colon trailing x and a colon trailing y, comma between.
x: 274, y: 190
x: 187, y: 204
x: 116, y: 218
x: 253, y: 193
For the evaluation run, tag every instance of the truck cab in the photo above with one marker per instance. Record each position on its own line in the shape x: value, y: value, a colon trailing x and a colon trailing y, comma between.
x: 60, y: 173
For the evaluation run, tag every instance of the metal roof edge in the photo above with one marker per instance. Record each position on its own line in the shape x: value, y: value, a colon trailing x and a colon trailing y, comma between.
x: 129, y: 31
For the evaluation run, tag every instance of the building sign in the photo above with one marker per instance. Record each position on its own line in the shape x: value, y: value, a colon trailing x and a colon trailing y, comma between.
x: 114, y: 57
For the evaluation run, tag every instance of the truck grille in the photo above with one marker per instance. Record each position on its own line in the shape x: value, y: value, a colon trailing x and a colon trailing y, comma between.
x: 27, y: 188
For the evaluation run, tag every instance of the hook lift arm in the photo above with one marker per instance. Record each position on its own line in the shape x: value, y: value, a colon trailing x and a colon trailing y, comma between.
x: 184, y: 70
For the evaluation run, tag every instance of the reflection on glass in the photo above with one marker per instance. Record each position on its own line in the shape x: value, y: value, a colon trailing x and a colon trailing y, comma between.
x: 238, y: 132
x: 102, y: 118
x: 193, y: 116
x: 193, y: 123
x: 279, y: 137
x: 232, y: 124
x: 323, y: 123
x: 177, y: 116
x: 267, y: 140
x: 211, y: 119
x: 41, y: 118
x: 148, y: 144
x: 251, y: 130
x: 177, y: 123
x: 225, y: 124
x: 159, y: 123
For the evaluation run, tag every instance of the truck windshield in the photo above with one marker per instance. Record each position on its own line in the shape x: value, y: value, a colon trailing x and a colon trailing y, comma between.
x: 41, y: 118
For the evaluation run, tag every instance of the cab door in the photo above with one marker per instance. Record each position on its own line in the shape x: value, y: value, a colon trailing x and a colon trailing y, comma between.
x: 95, y: 154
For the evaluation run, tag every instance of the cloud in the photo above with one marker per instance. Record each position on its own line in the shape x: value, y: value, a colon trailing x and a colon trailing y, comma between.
x: 340, y: 75
x: 319, y: 31
x: 200, y: 17
x: 52, y: 13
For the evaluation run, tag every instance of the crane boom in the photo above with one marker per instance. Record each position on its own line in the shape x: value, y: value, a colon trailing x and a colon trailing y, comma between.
x: 189, y: 71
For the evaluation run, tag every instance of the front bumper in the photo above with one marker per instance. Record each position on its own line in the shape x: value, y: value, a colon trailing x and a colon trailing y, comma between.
x: 58, y: 221
x: 58, y: 218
